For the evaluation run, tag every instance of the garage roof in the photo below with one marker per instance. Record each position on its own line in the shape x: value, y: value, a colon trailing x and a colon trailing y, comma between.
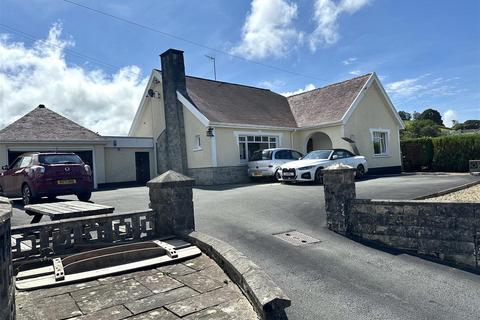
x: 43, y: 124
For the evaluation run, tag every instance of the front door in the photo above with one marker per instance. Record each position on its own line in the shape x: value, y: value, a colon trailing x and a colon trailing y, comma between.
x: 142, y: 165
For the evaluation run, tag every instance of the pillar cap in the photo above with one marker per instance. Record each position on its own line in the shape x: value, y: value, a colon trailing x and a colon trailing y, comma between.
x: 338, y: 167
x: 170, y: 179
x: 5, y: 209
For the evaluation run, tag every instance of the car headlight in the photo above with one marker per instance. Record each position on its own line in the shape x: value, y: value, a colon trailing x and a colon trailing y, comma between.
x: 306, y: 168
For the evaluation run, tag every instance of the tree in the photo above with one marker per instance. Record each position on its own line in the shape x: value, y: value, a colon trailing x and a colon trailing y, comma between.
x: 467, y: 125
x: 415, y: 115
x: 405, y: 116
x: 431, y: 114
x: 420, y: 128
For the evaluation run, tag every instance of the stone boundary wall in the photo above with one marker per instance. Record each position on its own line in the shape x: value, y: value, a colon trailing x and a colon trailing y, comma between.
x: 7, y: 287
x: 219, y: 175
x: 449, y: 231
x: 267, y: 298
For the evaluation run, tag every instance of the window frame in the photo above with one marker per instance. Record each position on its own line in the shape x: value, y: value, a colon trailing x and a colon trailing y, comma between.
x: 246, y: 138
x: 197, y: 143
x: 387, y: 142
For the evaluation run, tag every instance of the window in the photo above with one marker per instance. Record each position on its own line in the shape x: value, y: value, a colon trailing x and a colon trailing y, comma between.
x: 380, y: 142
x: 342, y: 154
x: 296, y: 155
x: 248, y: 144
x: 60, y: 159
x: 261, y: 155
x: 283, y: 154
x: 197, y: 145
x: 25, y: 162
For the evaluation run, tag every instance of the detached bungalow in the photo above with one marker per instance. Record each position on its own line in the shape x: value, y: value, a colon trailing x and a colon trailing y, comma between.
x: 207, y: 129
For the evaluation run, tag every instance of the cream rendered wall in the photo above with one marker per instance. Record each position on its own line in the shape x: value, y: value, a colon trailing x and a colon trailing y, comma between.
x: 228, y: 153
x: 153, y: 112
x: 334, y: 132
x: 120, y: 164
x: 373, y: 112
x: 202, y: 157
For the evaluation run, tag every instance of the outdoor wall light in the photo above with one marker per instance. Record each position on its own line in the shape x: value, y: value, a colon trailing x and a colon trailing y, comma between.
x: 210, y: 132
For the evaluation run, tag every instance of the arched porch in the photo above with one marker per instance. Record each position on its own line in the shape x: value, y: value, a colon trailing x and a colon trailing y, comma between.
x: 318, y: 141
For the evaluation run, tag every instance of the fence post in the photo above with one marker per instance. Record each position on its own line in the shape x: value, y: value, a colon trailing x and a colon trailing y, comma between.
x: 339, y: 189
x: 7, y: 286
x: 171, y: 198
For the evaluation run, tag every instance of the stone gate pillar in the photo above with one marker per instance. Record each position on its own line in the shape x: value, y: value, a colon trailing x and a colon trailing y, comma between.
x: 339, y: 188
x: 171, y: 198
x: 7, y: 287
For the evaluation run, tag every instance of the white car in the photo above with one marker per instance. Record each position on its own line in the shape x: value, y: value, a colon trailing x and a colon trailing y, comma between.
x: 267, y: 162
x: 309, y: 168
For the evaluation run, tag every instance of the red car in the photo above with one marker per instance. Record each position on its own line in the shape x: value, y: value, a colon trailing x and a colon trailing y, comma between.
x: 36, y: 175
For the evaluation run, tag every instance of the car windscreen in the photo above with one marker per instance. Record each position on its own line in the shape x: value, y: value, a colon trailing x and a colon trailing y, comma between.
x: 319, y: 154
x: 261, y: 155
x: 59, y: 159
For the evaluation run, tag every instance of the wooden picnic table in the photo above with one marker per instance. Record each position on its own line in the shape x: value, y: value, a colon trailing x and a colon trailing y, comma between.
x: 65, y: 210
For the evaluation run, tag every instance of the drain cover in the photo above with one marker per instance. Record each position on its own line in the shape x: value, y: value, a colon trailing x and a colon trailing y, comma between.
x: 296, y: 238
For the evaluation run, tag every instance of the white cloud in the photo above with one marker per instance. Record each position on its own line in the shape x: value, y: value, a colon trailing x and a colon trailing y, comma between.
x: 272, y: 85
x: 268, y: 30
x: 349, y: 61
x: 448, y: 117
x: 39, y: 74
x: 326, y: 13
x: 423, y: 86
x: 308, y: 87
x: 355, y: 72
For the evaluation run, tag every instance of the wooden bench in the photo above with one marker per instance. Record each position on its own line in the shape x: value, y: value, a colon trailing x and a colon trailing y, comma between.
x: 65, y: 210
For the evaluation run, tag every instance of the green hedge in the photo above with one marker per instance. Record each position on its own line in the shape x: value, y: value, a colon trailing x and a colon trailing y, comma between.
x: 448, y: 153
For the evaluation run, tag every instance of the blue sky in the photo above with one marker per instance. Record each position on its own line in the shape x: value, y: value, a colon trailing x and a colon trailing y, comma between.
x: 427, y: 53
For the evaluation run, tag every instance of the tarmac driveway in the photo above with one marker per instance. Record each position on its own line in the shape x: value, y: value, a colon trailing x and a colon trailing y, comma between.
x: 336, y: 278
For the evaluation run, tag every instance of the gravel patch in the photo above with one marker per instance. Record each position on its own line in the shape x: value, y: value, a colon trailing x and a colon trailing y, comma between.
x: 471, y: 194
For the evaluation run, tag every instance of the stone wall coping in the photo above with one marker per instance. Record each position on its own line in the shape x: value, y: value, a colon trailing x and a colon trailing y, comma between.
x: 449, y: 190
x: 412, y: 202
x: 169, y: 179
x: 266, y: 297
x: 338, y: 168
x: 5, y: 209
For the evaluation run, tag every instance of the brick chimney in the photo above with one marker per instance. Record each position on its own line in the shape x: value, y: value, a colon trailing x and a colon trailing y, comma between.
x: 173, y: 80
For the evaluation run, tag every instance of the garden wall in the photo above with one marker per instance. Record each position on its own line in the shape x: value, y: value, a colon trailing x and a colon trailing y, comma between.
x: 449, y: 231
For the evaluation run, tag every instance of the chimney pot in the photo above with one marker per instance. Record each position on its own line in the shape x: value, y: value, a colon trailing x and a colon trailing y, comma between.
x: 41, y: 106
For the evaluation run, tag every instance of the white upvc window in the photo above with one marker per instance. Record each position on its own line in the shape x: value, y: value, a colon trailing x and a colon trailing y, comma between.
x: 248, y: 144
x: 197, y: 143
x: 380, y: 141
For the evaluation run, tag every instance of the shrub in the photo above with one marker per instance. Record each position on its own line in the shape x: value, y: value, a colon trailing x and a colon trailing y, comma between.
x: 417, y: 154
x: 448, y: 153
x: 451, y: 153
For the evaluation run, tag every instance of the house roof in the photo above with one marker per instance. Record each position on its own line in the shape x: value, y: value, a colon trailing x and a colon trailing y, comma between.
x: 224, y: 102
x: 43, y: 124
x: 326, y: 104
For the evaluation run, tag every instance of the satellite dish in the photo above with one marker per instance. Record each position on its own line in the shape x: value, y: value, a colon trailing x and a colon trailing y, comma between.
x: 151, y: 93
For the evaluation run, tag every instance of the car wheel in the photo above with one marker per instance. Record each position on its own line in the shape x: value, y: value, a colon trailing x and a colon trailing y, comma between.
x: 84, y: 196
x: 360, y: 171
x: 318, y: 176
x: 277, y: 175
x: 27, y: 195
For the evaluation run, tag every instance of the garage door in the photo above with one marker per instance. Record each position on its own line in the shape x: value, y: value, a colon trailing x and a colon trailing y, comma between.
x: 86, y: 156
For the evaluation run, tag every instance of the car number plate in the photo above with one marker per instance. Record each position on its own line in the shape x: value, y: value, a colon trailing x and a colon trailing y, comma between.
x: 70, y: 181
x: 257, y: 174
x: 288, y: 174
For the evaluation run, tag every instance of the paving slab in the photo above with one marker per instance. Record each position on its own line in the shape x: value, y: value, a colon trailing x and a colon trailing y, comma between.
x: 159, y: 300
x: 157, y: 314
x: 204, y: 301
x: 176, y: 269
x: 60, y: 307
x: 216, y: 273
x: 93, y: 299
x: 159, y: 282
x: 112, y: 313
x: 199, y: 282
x: 199, y: 263
x: 238, y: 309
x: 125, y: 276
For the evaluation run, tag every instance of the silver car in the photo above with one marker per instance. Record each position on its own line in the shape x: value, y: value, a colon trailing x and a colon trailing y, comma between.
x: 267, y: 162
